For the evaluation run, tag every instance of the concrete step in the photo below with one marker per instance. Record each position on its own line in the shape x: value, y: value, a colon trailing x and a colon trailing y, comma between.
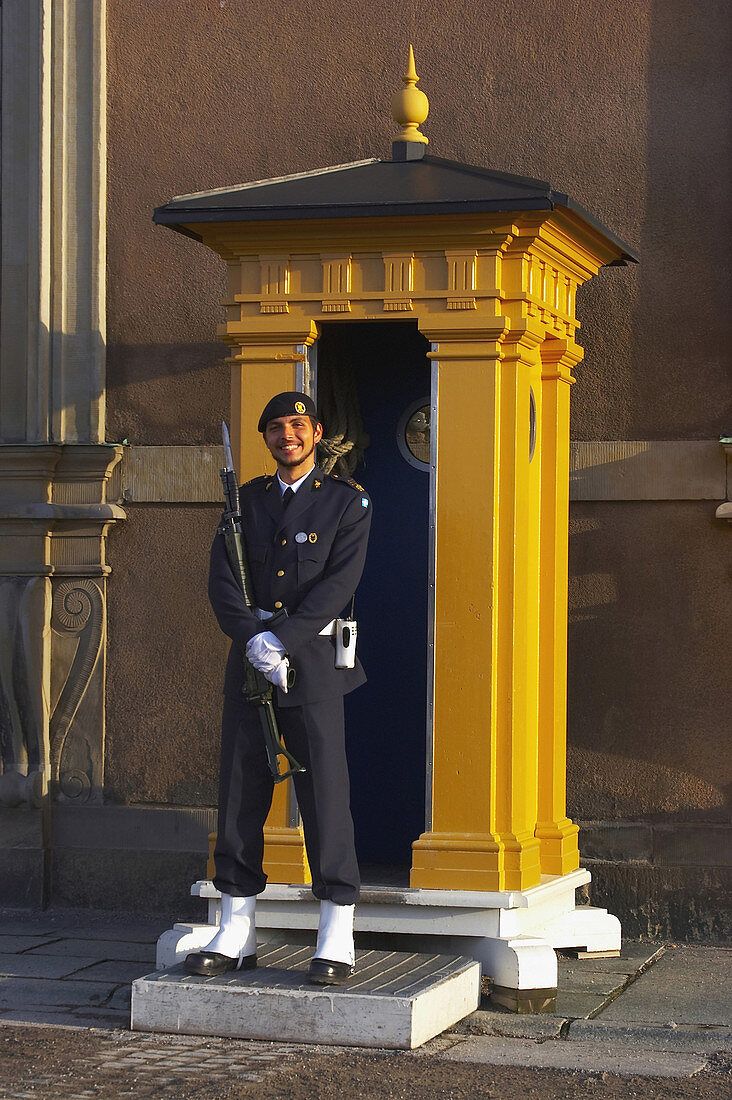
x: 395, y: 999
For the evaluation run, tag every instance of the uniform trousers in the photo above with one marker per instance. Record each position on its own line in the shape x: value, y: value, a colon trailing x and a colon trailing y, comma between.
x: 314, y: 734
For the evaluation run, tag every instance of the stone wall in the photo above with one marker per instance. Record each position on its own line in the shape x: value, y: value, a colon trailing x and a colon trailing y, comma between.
x: 622, y: 107
x: 617, y: 106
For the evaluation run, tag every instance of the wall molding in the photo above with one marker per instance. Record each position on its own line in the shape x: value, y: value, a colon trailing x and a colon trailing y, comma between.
x: 168, y: 475
x: 602, y: 470
x: 187, y: 828
x: 627, y: 469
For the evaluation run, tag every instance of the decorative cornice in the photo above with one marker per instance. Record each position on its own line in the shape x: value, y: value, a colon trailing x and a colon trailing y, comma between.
x: 601, y: 470
x: 54, y: 514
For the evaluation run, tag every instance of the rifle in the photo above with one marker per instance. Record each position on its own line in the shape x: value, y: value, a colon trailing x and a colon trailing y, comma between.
x: 257, y: 689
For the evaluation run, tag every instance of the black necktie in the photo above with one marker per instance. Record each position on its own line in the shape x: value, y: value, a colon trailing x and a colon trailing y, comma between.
x: 287, y: 497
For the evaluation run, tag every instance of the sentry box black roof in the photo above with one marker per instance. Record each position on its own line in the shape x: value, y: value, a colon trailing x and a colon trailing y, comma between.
x: 376, y: 188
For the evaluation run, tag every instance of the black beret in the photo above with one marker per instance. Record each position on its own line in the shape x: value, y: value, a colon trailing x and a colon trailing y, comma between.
x: 292, y: 403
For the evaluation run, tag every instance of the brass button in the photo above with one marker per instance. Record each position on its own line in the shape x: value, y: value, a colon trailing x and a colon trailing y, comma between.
x: 278, y: 604
x: 284, y: 542
x: 280, y: 572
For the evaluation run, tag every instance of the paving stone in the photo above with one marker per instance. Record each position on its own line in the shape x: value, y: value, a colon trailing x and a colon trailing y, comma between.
x: 578, y: 1006
x: 11, y: 943
x: 578, y: 979
x: 98, y: 949
x: 81, y: 924
x: 53, y: 1017
x: 510, y: 1024
x: 39, y: 966
x: 102, y: 1018
x: 128, y: 933
x: 696, y: 1040
x: 597, y: 1057
x: 113, y: 971
x: 38, y: 993
x: 121, y: 998
x: 26, y: 926
x: 632, y: 957
x: 667, y: 992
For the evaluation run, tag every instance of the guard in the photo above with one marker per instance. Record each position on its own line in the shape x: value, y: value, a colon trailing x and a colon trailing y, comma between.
x: 306, y: 535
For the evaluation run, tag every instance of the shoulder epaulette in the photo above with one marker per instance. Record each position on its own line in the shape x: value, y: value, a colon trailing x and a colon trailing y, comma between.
x: 348, y: 481
x: 254, y: 480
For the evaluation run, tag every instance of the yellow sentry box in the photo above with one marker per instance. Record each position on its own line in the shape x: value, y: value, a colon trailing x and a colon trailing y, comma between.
x: 489, y: 266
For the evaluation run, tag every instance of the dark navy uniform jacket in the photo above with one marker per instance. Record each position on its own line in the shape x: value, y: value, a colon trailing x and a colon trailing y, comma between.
x: 307, y: 559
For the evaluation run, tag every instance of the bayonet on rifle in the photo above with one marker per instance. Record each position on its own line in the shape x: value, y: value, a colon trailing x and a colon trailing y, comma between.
x: 257, y: 688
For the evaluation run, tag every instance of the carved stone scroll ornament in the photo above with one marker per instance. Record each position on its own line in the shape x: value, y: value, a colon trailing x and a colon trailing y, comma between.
x: 23, y: 749
x: 78, y: 609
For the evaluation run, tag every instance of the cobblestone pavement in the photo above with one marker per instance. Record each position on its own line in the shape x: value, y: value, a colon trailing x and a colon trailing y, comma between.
x: 653, y: 1023
x: 124, y: 1064
x: 65, y: 1063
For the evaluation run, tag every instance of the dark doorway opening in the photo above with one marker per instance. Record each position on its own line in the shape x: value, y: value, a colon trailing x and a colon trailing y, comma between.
x: 384, y: 368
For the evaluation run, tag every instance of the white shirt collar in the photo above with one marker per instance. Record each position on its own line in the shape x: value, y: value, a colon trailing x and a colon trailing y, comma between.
x: 296, y: 484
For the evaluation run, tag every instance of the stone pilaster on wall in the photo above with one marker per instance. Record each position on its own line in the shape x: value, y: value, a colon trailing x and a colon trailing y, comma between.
x: 52, y: 352
x: 54, y: 464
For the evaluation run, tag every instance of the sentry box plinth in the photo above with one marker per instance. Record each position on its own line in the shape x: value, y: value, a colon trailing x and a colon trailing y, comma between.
x: 431, y: 305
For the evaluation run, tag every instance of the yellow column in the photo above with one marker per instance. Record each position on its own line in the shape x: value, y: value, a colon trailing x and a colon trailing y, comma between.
x: 484, y: 785
x: 266, y: 364
x: 557, y: 835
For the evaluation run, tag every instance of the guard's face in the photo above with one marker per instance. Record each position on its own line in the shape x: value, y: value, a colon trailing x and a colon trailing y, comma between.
x: 292, y: 439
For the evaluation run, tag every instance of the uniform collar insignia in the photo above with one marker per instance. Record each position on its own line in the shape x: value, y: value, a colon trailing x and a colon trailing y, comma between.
x: 317, y: 479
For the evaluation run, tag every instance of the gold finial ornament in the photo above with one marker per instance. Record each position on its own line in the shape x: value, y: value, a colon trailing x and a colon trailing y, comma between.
x: 410, y: 106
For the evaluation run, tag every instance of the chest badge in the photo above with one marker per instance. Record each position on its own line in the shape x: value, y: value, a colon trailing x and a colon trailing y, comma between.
x: 301, y: 537
x: 312, y: 537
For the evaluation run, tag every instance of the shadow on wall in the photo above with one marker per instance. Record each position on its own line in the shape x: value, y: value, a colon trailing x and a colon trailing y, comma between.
x: 648, y: 676
x: 681, y: 383
x: 648, y: 706
x: 167, y: 394
x: 647, y: 684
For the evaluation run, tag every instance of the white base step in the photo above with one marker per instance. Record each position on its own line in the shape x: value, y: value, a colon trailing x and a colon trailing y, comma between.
x: 395, y: 1000
x: 513, y: 934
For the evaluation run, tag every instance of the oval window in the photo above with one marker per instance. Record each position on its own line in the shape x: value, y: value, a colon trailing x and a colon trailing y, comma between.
x: 413, y: 434
x: 532, y: 423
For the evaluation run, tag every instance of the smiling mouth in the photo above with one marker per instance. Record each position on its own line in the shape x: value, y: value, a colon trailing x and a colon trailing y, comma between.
x: 291, y: 452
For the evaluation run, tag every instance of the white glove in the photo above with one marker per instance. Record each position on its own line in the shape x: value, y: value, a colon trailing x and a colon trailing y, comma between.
x: 278, y: 675
x: 265, y: 651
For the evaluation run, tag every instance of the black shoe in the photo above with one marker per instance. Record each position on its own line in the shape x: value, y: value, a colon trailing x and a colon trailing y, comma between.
x: 211, y: 963
x: 325, y: 972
